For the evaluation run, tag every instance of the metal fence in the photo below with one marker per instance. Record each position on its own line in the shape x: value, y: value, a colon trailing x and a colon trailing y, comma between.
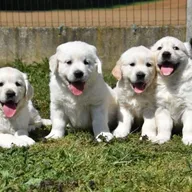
x: 51, y: 13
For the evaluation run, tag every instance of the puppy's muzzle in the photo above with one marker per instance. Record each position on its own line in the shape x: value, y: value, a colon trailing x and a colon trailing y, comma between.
x: 166, y: 55
x: 140, y: 76
x: 78, y: 74
x: 10, y: 95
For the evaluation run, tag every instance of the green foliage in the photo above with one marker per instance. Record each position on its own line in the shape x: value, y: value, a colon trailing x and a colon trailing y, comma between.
x: 77, y: 163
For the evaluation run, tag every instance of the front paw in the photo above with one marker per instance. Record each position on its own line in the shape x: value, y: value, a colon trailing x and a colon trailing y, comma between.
x: 104, y: 136
x: 148, y: 137
x: 187, y: 140
x: 120, y: 132
x: 160, y: 139
x: 55, y: 135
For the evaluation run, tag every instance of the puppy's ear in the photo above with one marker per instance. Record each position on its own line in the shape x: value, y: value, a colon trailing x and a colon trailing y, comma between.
x: 53, y: 64
x: 99, y: 66
x: 29, y: 89
x: 116, y: 72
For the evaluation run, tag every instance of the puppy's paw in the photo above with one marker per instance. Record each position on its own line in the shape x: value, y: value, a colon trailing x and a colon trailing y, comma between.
x: 160, y: 139
x: 55, y: 135
x: 120, y: 132
x: 104, y: 136
x: 24, y: 140
x: 187, y: 140
x: 148, y: 137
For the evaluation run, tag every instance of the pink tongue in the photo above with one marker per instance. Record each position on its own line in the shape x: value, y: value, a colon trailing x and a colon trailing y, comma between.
x: 166, y: 70
x: 77, y: 88
x: 9, y: 109
x: 139, y: 88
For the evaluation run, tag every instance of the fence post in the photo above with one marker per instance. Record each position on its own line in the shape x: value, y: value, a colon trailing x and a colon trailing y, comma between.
x: 189, y: 20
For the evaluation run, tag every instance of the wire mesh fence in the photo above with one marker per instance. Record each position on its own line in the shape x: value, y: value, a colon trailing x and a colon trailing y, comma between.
x: 92, y: 13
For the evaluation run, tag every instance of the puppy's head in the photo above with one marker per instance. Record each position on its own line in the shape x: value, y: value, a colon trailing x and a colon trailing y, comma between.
x: 136, y: 67
x: 171, y: 55
x: 15, y: 90
x: 75, y: 63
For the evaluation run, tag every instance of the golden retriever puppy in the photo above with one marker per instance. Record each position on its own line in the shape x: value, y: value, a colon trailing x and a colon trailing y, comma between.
x: 79, y: 95
x: 174, y: 90
x: 135, y: 89
x: 17, y: 114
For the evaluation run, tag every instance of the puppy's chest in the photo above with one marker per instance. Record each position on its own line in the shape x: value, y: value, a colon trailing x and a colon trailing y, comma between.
x: 137, y: 105
x: 172, y: 99
x: 78, y: 113
x: 11, y: 125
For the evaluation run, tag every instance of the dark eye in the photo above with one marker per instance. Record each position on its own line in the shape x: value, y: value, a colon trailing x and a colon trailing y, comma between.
x: 132, y: 64
x: 159, y: 48
x: 176, y: 48
x: 86, y: 62
x: 148, y: 64
x: 69, y: 62
x: 1, y: 84
x: 18, y: 84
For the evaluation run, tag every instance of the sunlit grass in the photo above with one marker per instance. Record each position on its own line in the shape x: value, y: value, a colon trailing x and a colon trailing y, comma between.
x: 77, y: 163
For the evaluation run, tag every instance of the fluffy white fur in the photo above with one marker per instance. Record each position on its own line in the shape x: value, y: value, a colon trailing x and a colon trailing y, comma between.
x: 174, y: 91
x: 188, y: 46
x: 94, y: 106
x: 14, y: 130
x: 136, y: 105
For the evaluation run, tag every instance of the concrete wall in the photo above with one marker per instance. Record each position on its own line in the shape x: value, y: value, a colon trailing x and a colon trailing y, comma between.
x: 33, y: 44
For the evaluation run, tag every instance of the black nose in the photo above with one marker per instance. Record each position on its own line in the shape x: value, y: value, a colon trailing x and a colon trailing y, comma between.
x: 166, y: 54
x: 10, y: 94
x: 140, y: 75
x: 78, y: 74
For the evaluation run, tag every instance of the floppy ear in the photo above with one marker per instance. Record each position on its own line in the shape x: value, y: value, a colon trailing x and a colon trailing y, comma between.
x: 116, y: 72
x: 99, y: 66
x: 29, y: 89
x: 53, y: 64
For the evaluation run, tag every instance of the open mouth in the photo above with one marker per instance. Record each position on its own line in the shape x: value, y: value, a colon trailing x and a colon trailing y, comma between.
x: 76, y: 87
x: 167, y: 68
x: 9, y: 108
x: 139, y: 87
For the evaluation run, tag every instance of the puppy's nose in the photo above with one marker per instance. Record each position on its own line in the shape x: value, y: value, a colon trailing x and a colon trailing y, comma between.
x: 10, y: 94
x: 140, y: 75
x: 78, y: 74
x: 166, y: 54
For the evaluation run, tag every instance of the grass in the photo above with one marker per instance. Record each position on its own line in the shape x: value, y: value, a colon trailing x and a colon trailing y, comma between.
x: 77, y: 163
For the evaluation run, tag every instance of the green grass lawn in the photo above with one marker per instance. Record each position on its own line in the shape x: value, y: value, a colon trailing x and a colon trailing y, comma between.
x: 77, y: 163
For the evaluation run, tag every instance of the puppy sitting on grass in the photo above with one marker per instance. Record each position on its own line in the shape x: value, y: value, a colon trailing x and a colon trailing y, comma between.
x: 135, y: 89
x: 79, y: 95
x: 174, y: 90
x: 17, y: 114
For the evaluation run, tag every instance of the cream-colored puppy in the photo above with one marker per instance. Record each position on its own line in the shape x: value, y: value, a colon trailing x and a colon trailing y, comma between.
x: 136, y: 74
x: 79, y: 95
x: 17, y: 114
x: 174, y: 90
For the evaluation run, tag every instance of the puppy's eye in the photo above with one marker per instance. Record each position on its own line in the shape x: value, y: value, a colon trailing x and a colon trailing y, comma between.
x: 148, y: 64
x: 18, y: 84
x: 159, y: 48
x: 176, y: 48
x: 1, y: 84
x: 132, y: 64
x: 69, y: 62
x: 86, y: 62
